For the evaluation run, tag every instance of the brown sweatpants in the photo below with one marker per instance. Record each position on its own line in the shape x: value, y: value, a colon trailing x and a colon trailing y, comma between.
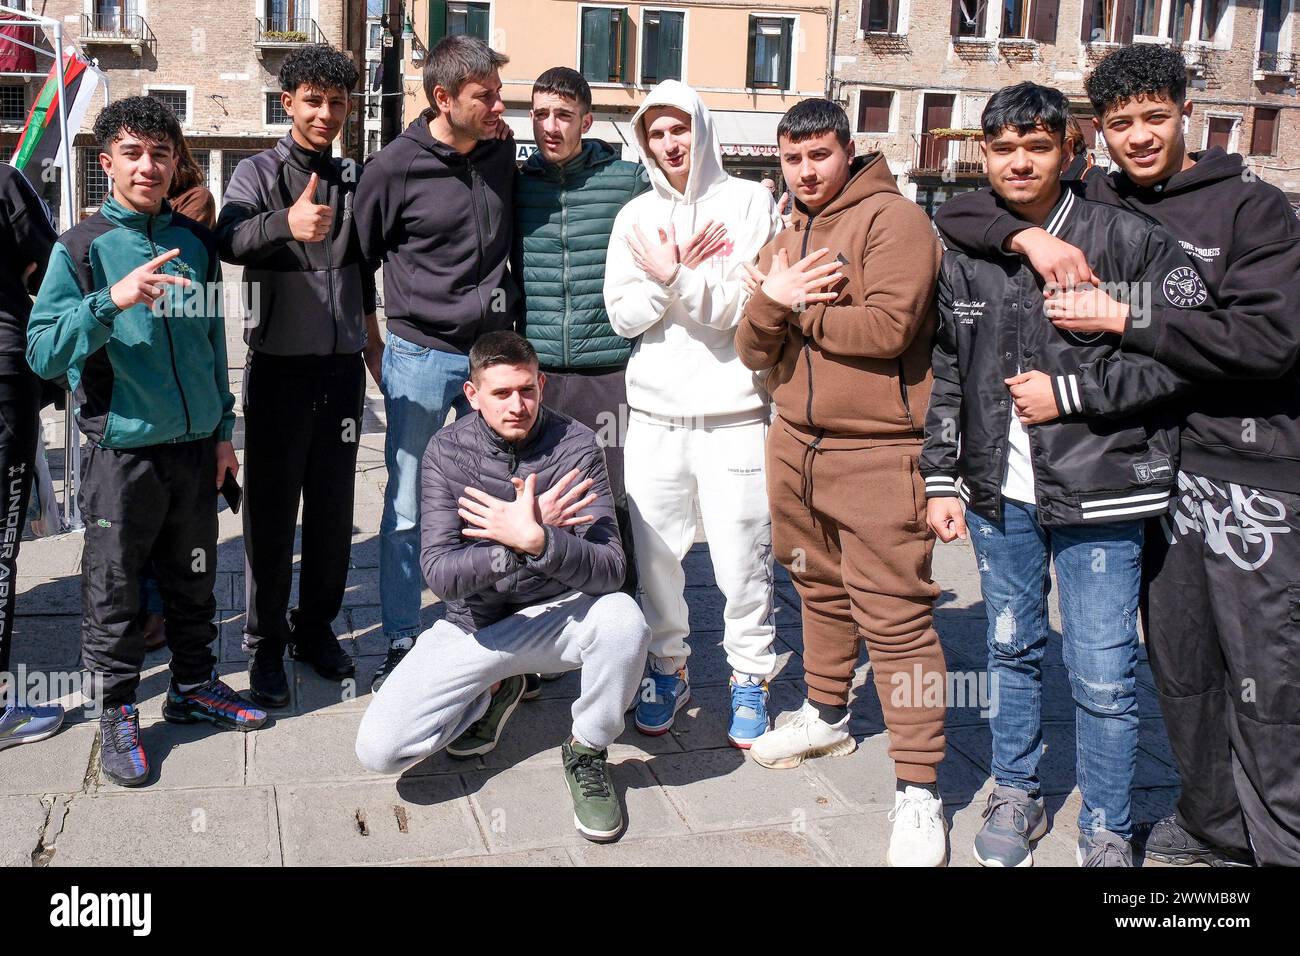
x: 848, y: 523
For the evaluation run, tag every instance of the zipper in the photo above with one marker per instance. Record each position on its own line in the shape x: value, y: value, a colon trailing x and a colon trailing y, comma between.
x: 329, y: 276
x: 478, y: 238
x: 807, y: 348
x: 167, y: 326
x: 902, y: 391
x: 564, y: 274
x: 514, y: 460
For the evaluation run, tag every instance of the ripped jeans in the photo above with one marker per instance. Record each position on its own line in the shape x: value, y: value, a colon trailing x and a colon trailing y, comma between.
x: 1098, y: 571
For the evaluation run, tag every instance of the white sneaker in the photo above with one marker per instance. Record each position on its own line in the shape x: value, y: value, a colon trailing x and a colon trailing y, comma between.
x: 803, y: 736
x: 920, y: 835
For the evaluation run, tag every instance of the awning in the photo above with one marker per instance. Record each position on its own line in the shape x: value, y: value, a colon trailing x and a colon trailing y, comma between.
x: 746, y: 132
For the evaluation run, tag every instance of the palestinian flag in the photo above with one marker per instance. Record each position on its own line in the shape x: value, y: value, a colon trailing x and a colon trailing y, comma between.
x: 39, y: 144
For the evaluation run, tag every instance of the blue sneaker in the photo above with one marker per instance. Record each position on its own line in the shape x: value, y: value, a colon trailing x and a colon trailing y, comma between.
x: 671, y: 692
x: 121, y: 755
x: 26, y: 725
x: 748, y: 713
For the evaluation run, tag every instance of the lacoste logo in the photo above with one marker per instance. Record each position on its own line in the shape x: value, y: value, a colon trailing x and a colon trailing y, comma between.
x: 1183, y: 287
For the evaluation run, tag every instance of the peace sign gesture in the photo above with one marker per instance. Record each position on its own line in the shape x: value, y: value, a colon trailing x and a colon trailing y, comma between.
x: 146, y: 284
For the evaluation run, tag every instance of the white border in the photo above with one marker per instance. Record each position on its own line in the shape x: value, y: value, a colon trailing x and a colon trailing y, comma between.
x: 640, y: 34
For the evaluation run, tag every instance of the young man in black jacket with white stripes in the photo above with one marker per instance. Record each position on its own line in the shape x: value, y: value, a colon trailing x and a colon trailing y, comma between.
x: 1059, y: 448
x: 1223, y: 566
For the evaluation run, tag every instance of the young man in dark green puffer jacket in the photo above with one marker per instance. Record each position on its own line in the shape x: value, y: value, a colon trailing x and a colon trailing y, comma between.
x: 130, y: 312
x: 566, y: 198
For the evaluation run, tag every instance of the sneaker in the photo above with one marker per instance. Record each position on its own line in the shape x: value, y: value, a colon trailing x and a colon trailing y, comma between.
x: 1165, y: 841
x: 319, y: 648
x: 21, y: 724
x: 1103, y: 848
x: 671, y: 692
x: 920, y: 836
x: 394, y: 657
x: 803, y: 736
x: 267, y: 682
x: 748, y: 713
x: 213, y: 701
x: 481, y: 737
x: 121, y: 756
x: 1012, y: 821
x: 532, y: 686
x: 596, y: 811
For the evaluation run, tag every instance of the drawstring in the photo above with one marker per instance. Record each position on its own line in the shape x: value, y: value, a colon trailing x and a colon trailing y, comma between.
x: 809, y: 457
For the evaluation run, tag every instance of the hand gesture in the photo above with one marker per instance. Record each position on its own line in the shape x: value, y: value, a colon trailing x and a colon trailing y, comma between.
x: 659, y: 260
x: 1084, y: 309
x: 309, y: 221
x: 704, y: 245
x: 558, y: 509
x: 1055, y: 260
x: 800, y: 285
x: 146, y: 285
x: 1033, y: 396
x: 511, y: 523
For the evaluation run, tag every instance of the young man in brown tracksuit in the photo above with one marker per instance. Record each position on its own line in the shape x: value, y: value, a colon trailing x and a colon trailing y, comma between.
x: 846, y: 333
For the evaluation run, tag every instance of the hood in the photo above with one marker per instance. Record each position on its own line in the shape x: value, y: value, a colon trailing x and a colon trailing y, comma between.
x: 418, y: 133
x: 706, y: 152
x: 1212, y: 165
x: 868, y: 175
x: 594, y: 153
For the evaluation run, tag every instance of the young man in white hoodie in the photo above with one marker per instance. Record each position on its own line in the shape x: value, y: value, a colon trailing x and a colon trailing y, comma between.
x: 698, y: 418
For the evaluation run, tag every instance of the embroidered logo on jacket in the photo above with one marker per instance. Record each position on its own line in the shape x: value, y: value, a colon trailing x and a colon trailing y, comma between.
x: 1154, y: 469
x: 1183, y: 287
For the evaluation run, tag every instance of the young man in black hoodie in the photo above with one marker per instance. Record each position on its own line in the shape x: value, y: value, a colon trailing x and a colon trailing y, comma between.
x: 1222, y: 569
x: 287, y: 219
x: 435, y: 206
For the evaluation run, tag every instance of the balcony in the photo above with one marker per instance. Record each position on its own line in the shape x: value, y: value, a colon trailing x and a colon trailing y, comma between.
x: 116, y: 29
x: 1270, y: 63
x: 948, y: 155
x: 286, y: 33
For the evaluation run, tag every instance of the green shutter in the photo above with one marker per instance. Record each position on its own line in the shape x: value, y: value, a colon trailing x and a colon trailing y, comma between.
x: 478, y: 21
x: 437, y: 21
x: 753, y: 48
x: 787, y: 51
x: 670, y: 45
x: 595, y: 44
x: 650, y: 39
x: 627, y: 43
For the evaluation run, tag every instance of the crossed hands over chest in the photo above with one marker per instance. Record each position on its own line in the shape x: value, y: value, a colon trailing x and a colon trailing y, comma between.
x: 519, y: 524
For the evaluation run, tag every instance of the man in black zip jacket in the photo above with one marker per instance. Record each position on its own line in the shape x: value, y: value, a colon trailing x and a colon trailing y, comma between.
x: 288, y: 220
x: 1222, y: 568
x: 1070, y: 490
x: 435, y: 206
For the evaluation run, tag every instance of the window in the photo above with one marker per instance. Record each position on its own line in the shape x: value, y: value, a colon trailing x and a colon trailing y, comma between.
x: 176, y: 100
x: 771, y: 48
x: 968, y: 18
x: 468, y: 19
x: 1273, y: 13
x: 1015, y: 18
x: 113, y: 16
x: 1146, y: 18
x: 204, y: 159
x: 661, y: 45
x: 1211, y: 14
x: 375, y: 33
x: 94, y: 181
x: 1100, y: 21
x: 13, y: 104
x: 287, y: 16
x: 605, y: 33
x: 880, y: 16
x: 874, y: 107
x: 1219, y: 133
x: 1263, y: 136
x: 275, y: 114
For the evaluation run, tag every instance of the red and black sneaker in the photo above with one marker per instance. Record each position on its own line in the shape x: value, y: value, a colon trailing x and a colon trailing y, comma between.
x: 121, y: 756
x: 215, y: 702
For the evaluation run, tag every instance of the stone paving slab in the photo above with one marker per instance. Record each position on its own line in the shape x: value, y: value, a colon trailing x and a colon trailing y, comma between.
x: 22, y: 820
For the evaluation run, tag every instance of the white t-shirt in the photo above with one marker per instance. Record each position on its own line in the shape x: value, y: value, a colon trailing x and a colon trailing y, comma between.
x: 1018, y: 485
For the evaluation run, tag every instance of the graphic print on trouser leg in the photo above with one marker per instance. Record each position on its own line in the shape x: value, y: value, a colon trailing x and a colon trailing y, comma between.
x: 1250, y: 546
x: 19, y: 401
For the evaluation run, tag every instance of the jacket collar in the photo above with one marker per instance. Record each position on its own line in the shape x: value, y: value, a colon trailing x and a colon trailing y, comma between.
x: 525, y: 443
x: 119, y: 215
x: 1060, y: 212
x: 594, y: 153
x: 418, y: 130
x: 307, y: 159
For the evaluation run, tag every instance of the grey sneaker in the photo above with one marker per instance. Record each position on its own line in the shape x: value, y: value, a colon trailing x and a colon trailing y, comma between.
x: 1103, y: 848
x: 21, y: 724
x: 482, y: 735
x: 596, y: 811
x: 1012, y: 821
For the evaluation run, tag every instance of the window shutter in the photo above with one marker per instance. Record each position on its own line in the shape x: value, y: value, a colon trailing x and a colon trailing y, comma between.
x: 626, y: 43
x: 651, y: 37
x: 1043, y: 26
x: 671, y: 30
x: 787, y: 52
x: 478, y: 22
x: 753, y: 50
x: 1264, y: 134
x: 437, y: 21
x: 1085, y: 25
x: 1125, y: 14
x: 873, y: 111
x: 956, y: 18
x: 595, y: 44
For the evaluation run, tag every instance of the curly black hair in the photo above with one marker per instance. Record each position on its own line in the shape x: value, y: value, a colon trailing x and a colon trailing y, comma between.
x: 319, y: 67
x: 1142, y: 69
x: 141, y: 116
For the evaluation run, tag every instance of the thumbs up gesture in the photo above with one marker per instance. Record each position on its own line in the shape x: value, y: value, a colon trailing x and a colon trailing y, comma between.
x: 309, y: 221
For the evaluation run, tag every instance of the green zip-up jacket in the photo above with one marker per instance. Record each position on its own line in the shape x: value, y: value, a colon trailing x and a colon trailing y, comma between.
x: 563, y: 218
x: 140, y: 376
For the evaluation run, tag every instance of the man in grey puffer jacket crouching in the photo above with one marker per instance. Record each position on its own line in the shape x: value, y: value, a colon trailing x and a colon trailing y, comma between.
x: 531, y: 576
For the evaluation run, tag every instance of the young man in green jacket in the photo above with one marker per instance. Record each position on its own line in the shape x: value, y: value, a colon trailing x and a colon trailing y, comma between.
x: 130, y: 312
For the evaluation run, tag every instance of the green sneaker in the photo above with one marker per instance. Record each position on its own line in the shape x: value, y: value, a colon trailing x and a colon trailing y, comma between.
x: 596, y: 812
x: 482, y: 735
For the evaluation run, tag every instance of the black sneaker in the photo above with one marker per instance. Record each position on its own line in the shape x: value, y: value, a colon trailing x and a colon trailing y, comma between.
x: 318, y: 647
x: 1165, y: 841
x: 267, y: 682
x: 532, y: 686
x: 394, y: 657
x: 121, y: 756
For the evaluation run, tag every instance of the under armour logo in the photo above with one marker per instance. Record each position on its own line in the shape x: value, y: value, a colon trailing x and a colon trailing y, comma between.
x: 16, y: 470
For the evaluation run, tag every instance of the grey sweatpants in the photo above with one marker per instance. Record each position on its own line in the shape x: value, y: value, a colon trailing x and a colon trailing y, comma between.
x: 442, y: 685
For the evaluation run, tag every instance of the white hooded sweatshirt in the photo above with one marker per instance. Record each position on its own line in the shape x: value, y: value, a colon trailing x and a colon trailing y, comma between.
x: 685, y: 363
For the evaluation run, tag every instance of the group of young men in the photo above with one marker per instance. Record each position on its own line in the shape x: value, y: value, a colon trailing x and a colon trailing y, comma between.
x: 1107, y: 380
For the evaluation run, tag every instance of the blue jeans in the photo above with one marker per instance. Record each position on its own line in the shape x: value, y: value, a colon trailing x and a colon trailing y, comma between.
x: 420, y: 385
x: 1098, y: 570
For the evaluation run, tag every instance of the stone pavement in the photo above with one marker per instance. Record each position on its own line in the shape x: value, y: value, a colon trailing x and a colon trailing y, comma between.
x: 294, y: 794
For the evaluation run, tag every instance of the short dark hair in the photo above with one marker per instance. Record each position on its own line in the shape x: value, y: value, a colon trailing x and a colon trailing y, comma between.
x: 320, y: 67
x: 142, y: 116
x: 456, y: 60
x: 563, y: 81
x: 814, y: 117
x: 500, y: 348
x: 1026, y: 107
x: 1142, y: 69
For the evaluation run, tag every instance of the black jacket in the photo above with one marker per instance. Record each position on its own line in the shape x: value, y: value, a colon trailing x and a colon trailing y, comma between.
x: 26, y: 236
x: 483, y: 582
x: 441, y: 223
x: 1242, y: 423
x: 305, y: 298
x: 1111, y: 455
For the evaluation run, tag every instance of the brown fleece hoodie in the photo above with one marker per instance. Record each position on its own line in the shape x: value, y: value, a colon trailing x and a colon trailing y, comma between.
x: 881, y: 324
